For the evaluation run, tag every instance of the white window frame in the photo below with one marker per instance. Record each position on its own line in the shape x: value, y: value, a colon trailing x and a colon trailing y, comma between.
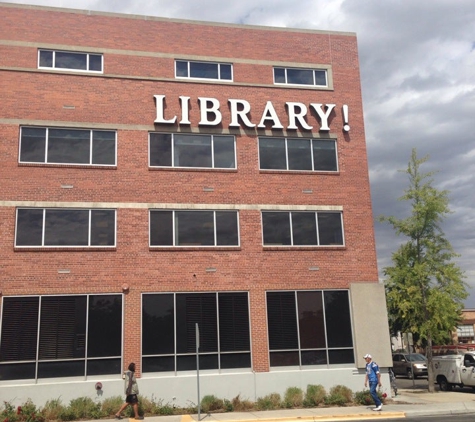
x: 88, y: 246
x: 289, y: 215
x: 50, y: 163
x: 218, y: 64
x: 53, y: 67
x: 174, y: 228
x: 172, y: 165
x: 301, y: 85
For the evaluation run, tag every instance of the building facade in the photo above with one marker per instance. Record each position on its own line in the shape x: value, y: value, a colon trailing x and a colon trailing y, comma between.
x: 165, y: 181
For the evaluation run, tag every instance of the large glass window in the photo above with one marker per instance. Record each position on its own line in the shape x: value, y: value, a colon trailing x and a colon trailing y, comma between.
x: 297, y: 154
x: 302, y: 228
x: 298, y: 76
x: 53, y: 227
x: 60, y: 336
x: 169, y: 331
x: 203, y: 70
x: 67, y: 146
x: 70, y: 60
x: 185, y: 150
x: 193, y: 228
x: 309, y: 328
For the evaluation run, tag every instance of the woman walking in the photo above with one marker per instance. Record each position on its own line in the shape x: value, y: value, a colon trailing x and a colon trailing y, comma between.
x: 131, y: 391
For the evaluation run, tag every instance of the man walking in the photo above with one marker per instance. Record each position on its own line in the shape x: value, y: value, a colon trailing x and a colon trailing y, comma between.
x: 373, y: 376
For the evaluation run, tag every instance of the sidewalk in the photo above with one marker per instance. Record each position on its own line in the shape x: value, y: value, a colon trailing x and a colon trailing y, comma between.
x: 406, y: 403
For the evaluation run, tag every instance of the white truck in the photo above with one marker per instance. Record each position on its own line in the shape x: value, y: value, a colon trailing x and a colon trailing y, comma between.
x: 454, y: 370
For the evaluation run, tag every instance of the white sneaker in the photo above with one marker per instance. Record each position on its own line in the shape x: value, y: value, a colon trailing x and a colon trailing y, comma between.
x: 378, y: 408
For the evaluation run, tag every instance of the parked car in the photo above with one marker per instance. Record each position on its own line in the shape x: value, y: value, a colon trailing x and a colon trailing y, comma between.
x: 412, y: 365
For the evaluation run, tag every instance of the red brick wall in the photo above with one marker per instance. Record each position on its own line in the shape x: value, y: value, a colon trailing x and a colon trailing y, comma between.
x: 122, y: 98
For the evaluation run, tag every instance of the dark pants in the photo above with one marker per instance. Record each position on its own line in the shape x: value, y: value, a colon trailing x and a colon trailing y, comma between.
x: 373, y: 392
x: 132, y: 399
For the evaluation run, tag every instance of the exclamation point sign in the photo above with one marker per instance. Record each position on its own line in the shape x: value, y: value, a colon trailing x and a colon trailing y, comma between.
x: 346, y: 126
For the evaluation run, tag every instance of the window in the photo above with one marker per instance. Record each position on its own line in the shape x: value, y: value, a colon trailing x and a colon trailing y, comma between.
x: 465, y: 333
x: 297, y: 154
x: 298, y: 76
x: 309, y: 328
x: 53, y: 227
x: 69, y: 60
x: 302, y: 228
x: 203, y: 70
x: 60, y: 336
x: 193, y: 228
x: 168, y: 331
x: 67, y: 146
x: 200, y: 151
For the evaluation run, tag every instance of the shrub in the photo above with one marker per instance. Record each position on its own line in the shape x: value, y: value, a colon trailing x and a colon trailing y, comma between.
x: 364, y: 397
x: 67, y: 414
x: 344, y: 391
x: 52, y: 409
x: 228, y: 405
x: 293, y: 397
x: 211, y: 403
x: 241, y: 405
x: 29, y: 413
x: 157, y: 407
x: 269, y: 402
x: 339, y: 396
x: 314, y: 396
x: 111, y: 405
x: 9, y: 412
x: 85, y: 408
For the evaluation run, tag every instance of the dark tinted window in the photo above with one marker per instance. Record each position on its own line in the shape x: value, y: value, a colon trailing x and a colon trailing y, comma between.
x: 70, y: 60
x: 65, y: 227
x: 338, y: 319
x: 225, y: 71
x: 276, y: 228
x: 272, y: 154
x: 304, y: 228
x: 228, y: 311
x: 309, y: 328
x: 192, y: 151
x: 181, y: 68
x: 330, y: 228
x: 297, y: 154
x: 158, y: 324
x: 160, y: 149
x: 198, y: 151
x: 193, y: 228
x: 29, y: 227
x: 67, y: 146
x: 299, y: 76
x: 203, y: 70
x: 61, y: 336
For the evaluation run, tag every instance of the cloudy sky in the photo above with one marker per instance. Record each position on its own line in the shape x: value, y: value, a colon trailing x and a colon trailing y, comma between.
x: 417, y: 61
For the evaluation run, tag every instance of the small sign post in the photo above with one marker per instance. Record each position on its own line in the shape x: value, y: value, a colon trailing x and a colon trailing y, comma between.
x: 197, y: 331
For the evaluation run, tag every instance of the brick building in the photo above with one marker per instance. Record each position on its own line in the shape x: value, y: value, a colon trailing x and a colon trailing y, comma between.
x: 160, y: 175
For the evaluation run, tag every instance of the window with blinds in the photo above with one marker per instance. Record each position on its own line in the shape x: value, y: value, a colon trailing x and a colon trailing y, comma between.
x: 60, y: 336
x: 223, y: 321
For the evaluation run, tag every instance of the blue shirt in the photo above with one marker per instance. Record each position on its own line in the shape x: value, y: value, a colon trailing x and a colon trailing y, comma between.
x: 372, y: 369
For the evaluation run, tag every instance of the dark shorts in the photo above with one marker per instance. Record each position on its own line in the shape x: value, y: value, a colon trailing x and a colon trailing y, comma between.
x: 131, y: 399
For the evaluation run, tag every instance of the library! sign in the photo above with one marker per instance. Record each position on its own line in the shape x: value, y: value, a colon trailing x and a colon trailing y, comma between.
x: 210, y: 114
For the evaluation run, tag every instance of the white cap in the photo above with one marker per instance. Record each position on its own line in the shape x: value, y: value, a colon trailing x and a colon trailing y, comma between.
x: 367, y: 356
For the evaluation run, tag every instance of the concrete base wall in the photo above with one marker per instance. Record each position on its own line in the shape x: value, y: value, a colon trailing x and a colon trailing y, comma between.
x: 182, y: 390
